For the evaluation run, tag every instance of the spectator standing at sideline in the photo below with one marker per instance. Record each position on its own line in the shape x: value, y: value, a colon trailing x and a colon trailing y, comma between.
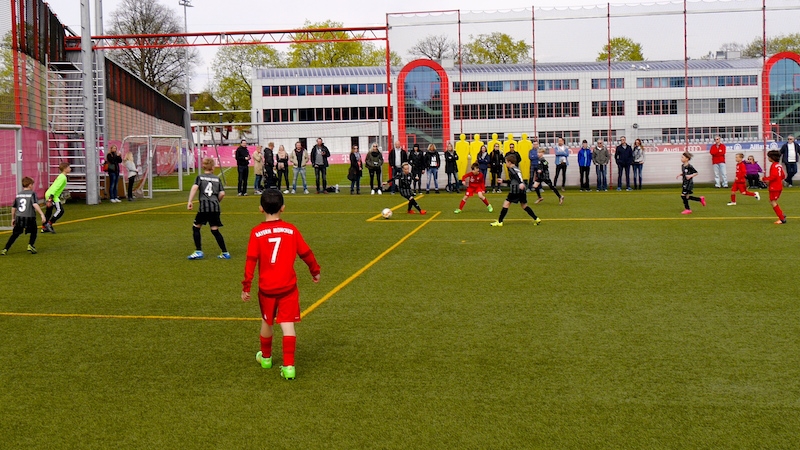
x: 282, y: 166
x: 258, y: 170
x: 356, y: 170
x: 269, y: 166
x: 638, y: 163
x: 298, y: 158
x: 790, y: 153
x: 242, y: 155
x: 416, y: 158
x: 483, y: 161
x: 113, y: 159
x: 497, y: 161
x: 319, y: 159
x: 624, y: 158
x: 451, y: 168
x: 600, y: 158
x: 130, y: 166
x: 397, y: 156
x: 584, y: 163
x: 432, y: 162
x: 533, y: 157
x: 562, y: 161
x: 718, y: 162
x: 374, y: 162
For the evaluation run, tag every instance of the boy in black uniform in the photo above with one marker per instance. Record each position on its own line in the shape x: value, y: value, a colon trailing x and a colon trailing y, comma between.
x: 23, y: 216
x: 688, y: 172
x: 516, y: 193
x: 405, y: 181
x: 211, y: 193
x: 543, y: 176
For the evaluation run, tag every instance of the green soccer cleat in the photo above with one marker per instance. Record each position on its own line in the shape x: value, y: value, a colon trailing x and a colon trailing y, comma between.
x: 196, y: 255
x: 3, y: 252
x: 31, y: 249
x: 266, y: 363
x: 489, y: 207
x: 288, y: 372
x: 496, y: 224
x: 458, y: 211
x: 537, y: 221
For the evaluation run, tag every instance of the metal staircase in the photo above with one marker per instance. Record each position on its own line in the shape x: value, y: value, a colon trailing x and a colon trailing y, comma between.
x: 65, y: 118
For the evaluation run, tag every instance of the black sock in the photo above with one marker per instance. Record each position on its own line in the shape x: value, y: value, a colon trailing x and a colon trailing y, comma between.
x: 416, y: 205
x: 220, y: 240
x: 538, y: 190
x: 530, y: 212
x: 685, y: 202
x: 696, y: 199
x: 503, y: 213
x: 33, y: 236
x: 11, y: 240
x: 196, y: 236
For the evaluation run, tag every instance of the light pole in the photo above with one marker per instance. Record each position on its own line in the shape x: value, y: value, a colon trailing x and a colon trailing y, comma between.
x: 187, y: 4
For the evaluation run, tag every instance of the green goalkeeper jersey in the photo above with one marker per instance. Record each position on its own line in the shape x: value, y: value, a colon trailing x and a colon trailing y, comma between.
x: 56, y: 188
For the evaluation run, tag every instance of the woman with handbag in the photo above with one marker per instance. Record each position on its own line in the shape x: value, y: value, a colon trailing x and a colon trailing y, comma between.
x: 355, y: 172
x: 113, y: 160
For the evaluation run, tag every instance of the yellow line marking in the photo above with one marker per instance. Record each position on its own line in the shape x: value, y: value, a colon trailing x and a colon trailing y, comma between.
x: 116, y: 316
x: 364, y: 269
x: 609, y: 219
x: 105, y: 216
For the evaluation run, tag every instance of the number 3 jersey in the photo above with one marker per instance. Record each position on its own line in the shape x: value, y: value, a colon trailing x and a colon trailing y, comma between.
x: 210, y: 187
x: 24, y: 204
x: 274, y: 245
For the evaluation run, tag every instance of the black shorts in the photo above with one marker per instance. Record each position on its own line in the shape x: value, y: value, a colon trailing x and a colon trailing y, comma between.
x: 687, y: 189
x: 211, y: 218
x: 519, y: 197
x: 25, y: 225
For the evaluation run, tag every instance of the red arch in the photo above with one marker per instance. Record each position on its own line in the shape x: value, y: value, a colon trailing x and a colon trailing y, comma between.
x: 444, y: 89
x: 765, y: 114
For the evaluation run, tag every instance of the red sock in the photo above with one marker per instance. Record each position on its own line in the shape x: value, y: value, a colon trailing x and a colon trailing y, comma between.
x: 733, y: 198
x: 778, y: 211
x: 485, y: 201
x: 266, y: 346
x: 289, y: 344
x: 461, y: 206
x: 751, y: 194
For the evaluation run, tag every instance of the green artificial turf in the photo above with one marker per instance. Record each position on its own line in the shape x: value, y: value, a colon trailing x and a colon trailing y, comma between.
x: 616, y: 323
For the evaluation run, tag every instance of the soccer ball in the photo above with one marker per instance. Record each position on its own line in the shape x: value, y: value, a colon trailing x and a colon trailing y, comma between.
x: 386, y: 213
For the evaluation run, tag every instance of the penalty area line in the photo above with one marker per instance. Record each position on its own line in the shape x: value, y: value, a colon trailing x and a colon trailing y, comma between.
x: 118, y: 316
x: 360, y: 271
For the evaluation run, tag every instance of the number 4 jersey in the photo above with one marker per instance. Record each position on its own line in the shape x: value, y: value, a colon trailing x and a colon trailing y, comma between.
x: 274, y: 245
x: 209, y: 188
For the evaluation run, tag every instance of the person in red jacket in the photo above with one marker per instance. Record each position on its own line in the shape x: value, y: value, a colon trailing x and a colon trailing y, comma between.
x: 775, y: 180
x: 718, y: 161
x: 739, y: 183
x: 273, y: 246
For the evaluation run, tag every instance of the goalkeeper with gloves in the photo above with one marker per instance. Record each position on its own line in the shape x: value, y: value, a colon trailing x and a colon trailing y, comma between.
x: 54, y: 209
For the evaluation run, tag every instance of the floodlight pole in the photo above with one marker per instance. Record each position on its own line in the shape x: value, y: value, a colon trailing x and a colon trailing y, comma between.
x: 89, y: 118
x: 188, y: 114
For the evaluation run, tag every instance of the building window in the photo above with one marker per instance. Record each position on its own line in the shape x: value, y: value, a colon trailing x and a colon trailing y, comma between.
x: 656, y: 107
x: 550, y: 138
x: 601, y: 108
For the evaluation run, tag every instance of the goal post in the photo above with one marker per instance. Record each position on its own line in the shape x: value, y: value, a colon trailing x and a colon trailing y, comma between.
x: 161, y: 160
x: 11, y: 168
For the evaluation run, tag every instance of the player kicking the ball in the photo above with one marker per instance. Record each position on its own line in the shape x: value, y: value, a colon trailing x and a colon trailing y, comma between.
x: 516, y: 193
x: 273, y: 246
x: 406, y: 182
x: 476, y: 185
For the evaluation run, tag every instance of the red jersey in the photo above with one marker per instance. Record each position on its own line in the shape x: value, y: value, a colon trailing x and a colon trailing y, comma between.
x: 274, y: 246
x: 741, y: 172
x: 776, y: 176
x: 474, y: 181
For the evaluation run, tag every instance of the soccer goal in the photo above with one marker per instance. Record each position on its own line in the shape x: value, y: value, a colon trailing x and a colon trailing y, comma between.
x: 162, y: 162
x: 10, y: 170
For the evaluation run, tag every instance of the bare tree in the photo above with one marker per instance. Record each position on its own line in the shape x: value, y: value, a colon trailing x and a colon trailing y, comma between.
x: 162, y: 68
x: 436, y: 47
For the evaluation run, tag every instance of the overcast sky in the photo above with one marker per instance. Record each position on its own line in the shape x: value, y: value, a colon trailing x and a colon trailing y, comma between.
x: 557, y: 39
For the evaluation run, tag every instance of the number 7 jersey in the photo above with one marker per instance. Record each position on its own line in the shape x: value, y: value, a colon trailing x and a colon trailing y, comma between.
x: 274, y: 246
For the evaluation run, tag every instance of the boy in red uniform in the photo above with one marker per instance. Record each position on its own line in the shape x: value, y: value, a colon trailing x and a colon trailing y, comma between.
x: 739, y: 183
x: 476, y: 185
x: 775, y: 179
x: 274, y: 245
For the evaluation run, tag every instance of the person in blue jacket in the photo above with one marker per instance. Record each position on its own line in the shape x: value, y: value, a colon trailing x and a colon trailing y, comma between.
x: 584, y: 164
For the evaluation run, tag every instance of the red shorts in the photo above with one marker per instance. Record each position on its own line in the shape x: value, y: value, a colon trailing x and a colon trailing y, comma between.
x: 739, y: 186
x: 284, y: 307
x: 774, y: 195
x: 472, y: 191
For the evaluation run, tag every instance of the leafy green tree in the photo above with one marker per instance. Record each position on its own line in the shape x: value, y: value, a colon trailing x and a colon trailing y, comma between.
x: 777, y: 44
x: 233, y: 68
x: 495, y: 48
x: 7, y: 115
x: 336, y: 54
x: 622, y: 49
